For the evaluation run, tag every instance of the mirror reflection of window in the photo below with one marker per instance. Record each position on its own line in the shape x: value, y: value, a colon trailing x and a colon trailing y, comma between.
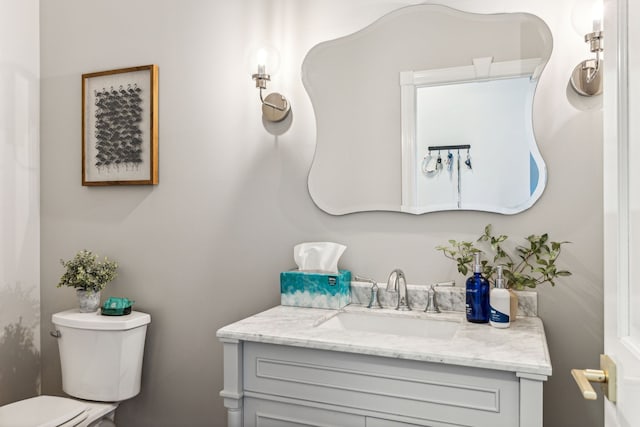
x: 494, y: 118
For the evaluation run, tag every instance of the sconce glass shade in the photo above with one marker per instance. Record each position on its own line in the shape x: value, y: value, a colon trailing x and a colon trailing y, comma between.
x: 597, y: 14
x: 264, y: 59
x: 586, y: 16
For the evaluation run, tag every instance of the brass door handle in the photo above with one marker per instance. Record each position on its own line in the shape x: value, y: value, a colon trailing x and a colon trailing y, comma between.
x: 583, y: 378
x: 606, y: 375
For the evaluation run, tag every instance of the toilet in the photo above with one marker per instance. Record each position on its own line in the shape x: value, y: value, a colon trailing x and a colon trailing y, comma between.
x: 101, y: 361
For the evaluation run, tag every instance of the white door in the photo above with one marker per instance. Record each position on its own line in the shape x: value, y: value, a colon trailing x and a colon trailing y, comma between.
x: 622, y: 207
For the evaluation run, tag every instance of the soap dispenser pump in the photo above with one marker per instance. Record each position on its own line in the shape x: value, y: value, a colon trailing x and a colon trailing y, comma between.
x: 477, y: 294
x: 500, y: 303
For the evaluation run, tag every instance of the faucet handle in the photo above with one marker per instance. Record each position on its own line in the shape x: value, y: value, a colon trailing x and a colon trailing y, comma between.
x: 359, y: 278
x: 432, y: 303
x: 374, y: 301
x: 450, y: 283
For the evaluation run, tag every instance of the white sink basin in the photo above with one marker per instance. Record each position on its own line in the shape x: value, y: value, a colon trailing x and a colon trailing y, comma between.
x: 392, y: 325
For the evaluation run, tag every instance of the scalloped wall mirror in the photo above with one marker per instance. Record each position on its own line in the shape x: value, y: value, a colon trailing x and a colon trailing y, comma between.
x: 428, y: 109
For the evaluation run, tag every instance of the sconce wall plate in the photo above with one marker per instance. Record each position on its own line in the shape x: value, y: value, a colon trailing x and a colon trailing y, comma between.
x: 585, y: 80
x: 275, y: 107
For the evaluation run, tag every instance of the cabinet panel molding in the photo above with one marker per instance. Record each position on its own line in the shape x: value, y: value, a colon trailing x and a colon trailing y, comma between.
x: 265, y: 413
x: 354, y: 382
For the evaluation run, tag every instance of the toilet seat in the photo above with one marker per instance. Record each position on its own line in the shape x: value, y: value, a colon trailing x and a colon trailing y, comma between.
x: 75, y: 421
x: 53, y: 411
x: 42, y: 411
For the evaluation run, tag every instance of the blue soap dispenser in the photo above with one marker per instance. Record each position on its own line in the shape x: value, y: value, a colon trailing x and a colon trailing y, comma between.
x: 477, y: 294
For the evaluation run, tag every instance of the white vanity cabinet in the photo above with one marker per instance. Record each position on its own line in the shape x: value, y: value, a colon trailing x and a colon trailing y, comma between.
x: 278, y: 379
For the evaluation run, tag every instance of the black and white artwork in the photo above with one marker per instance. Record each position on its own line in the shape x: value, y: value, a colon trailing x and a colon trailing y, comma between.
x: 119, y: 127
x: 118, y: 133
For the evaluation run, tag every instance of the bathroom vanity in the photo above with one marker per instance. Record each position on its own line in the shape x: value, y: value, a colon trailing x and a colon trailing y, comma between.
x: 291, y: 366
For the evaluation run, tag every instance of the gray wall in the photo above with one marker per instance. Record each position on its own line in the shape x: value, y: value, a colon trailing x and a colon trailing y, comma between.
x: 19, y: 202
x: 205, y: 247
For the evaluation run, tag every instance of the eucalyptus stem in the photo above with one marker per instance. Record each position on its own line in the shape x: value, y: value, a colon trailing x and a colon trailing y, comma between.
x: 524, y: 274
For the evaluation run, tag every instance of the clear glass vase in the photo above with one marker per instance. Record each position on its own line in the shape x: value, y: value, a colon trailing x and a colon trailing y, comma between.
x: 89, y: 301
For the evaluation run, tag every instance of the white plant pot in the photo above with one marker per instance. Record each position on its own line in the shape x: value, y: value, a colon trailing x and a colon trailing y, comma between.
x: 89, y: 301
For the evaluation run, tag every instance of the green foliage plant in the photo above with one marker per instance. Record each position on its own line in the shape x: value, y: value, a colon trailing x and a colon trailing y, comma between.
x: 85, y: 272
x: 527, y: 266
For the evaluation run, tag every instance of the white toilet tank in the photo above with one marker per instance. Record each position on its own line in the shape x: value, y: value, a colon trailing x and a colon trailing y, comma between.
x: 101, y: 356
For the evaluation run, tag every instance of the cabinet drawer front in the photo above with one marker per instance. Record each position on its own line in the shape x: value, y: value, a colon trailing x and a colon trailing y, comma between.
x: 264, y: 413
x: 422, y: 390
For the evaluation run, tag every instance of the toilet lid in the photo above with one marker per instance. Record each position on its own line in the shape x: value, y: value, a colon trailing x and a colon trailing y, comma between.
x: 41, y: 411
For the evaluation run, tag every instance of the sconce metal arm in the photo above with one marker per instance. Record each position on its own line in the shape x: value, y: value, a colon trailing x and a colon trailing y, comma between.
x: 595, y: 46
x: 269, y: 104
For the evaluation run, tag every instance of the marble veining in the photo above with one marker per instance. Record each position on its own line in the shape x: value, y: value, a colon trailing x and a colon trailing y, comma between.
x: 449, y: 298
x: 521, y: 348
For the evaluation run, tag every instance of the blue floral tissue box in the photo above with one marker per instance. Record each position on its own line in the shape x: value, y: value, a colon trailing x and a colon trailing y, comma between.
x: 316, y: 290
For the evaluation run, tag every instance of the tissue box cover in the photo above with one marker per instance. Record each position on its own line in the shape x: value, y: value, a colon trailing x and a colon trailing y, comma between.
x: 317, y: 290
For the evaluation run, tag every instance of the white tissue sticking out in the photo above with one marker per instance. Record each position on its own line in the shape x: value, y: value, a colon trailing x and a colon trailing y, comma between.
x: 318, y: 256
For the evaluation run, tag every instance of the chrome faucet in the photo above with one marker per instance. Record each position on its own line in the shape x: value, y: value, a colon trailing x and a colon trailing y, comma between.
x: 374, y: 301
x: 398, y: 283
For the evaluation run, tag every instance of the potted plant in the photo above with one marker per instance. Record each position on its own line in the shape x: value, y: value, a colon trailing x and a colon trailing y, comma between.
x: 526, y: 266
x: 89, y: 276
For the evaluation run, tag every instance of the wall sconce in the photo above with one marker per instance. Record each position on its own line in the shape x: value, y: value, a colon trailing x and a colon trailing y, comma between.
x: 275, y: 107
x: 586, y: 78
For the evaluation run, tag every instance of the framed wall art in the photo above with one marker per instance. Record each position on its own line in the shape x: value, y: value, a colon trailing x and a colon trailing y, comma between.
x: 120, y: 126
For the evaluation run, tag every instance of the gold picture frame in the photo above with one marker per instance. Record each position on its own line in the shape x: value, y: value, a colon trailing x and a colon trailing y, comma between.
x: 120, y: 127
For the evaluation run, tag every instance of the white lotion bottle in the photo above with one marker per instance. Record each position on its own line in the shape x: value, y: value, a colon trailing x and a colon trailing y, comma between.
x: 500, y: 303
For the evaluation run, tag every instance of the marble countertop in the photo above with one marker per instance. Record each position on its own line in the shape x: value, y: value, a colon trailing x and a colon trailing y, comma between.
x: 522, y: 348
